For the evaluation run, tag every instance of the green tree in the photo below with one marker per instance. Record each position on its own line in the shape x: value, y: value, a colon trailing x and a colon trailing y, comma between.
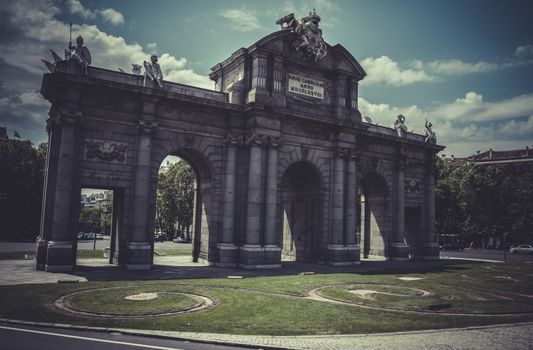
x: 90, y: 219
x: 175, y: 196
x: 482, y: 201
x: 21, y: 189
x: 449, y: 214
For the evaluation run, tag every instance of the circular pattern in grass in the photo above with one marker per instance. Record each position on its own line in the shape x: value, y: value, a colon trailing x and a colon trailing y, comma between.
x: 114, y: 302
x: 441, y: 299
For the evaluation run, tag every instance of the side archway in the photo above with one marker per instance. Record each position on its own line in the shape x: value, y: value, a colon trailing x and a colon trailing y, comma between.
x: 302, y: 211
x: 375, y: 219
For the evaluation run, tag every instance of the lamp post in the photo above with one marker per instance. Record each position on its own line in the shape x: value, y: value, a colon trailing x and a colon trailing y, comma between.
x: 505, y: 246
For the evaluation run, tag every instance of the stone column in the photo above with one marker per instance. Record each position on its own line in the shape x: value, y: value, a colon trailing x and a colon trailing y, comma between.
x: 228, y: 251
x: 253, y: 254
x: 271, y: 243
x: 253, y: 213
x: 138, y: 247
x: 271, y: 200
x: 336, y: 246
x: 55, y: 246
x: 399, y: 248
x: 431, y: 247
x: 350, y: 208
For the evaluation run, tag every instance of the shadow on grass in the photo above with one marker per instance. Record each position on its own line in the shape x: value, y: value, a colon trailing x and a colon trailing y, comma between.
x: 174, y: 272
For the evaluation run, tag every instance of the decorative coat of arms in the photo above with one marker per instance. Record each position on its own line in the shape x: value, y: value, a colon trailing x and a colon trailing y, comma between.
x: 307, y: 35
x: 114, y: 152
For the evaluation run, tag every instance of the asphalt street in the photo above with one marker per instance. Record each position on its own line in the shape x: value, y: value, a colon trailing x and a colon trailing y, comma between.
x: 29, y: 338
x: 82, y: 245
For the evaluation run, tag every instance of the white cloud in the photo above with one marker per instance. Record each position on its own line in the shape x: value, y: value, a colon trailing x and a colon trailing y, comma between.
x: 109, y: 15
x: 152, y: 46
x: 75, y: 7
x: 25, y: 104
x: 112, y: 16
x: 458, y: 67
x: 43, y: 31
x: 38, y: 29
x: 467, y: 124
x: 385, y: 70
x: 242, y: 20
x: 524, y: 51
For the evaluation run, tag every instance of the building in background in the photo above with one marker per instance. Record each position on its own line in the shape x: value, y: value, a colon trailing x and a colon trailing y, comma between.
x: 517, y: 161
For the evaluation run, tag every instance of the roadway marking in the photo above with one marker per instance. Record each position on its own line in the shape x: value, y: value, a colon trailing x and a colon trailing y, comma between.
x: 89, y: 339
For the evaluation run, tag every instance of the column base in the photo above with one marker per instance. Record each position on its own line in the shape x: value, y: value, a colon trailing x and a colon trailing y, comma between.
x: 59, y: 256
x: 430, y: 251
x: 228, y: 255
x: 137, y: 256
x: 399, y: 252
x: 260, y: 257
x: 41, y: 254
x: 343, y: 255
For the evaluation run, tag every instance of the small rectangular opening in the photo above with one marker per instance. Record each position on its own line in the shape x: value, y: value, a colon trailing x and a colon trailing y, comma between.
x: 95, y: 226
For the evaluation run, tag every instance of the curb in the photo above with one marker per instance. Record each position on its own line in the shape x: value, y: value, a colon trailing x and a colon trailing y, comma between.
x: 140, y: 333
x: 153, y: 334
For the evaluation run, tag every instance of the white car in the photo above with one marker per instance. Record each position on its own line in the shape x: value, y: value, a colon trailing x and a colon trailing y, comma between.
x: 524, y: 248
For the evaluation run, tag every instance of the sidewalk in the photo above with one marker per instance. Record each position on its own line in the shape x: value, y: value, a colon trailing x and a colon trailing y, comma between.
x: 498, y: 337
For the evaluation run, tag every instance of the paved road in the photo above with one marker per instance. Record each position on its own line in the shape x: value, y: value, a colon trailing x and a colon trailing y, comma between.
x: 83, y: 245
x: 496, y: 255
x: 27, y: 338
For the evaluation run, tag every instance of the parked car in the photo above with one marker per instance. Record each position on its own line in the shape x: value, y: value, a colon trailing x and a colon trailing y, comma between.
x: 522, y: 249
x: 159, y: 237
x: 99, y: 236
x: 452, y: 246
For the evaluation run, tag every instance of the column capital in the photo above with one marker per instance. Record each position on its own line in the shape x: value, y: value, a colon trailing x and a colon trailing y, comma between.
x: 275, y: 142
x: 347, y: 153
x: 63, y: 116
x: 146, y: 127
x: 256, y: 140
x: 233, y: 141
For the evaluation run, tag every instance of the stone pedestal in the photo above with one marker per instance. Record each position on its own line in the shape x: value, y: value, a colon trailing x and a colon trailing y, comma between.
x: 41, y: 254
x: 430, y: 251
x: 260, y: 257
x: 59, y: 256
x: 228, y: 255
x: 138, y: 256
x: 343, y: 255
x: 399, y: 252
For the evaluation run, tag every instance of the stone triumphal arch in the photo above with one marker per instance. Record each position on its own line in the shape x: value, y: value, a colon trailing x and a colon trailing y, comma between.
x: 280, y: 152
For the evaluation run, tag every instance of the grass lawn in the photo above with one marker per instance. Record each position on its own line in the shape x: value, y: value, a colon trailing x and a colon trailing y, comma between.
x: 280, y: 305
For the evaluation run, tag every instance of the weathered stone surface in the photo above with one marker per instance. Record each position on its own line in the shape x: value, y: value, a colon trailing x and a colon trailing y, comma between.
x: 279, y: 151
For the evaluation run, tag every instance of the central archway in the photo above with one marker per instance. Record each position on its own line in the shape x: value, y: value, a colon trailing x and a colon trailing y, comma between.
x: 197, y: 230
x: 302, y: 201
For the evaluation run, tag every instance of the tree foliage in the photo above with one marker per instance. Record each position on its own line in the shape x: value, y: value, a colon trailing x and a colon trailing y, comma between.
x: 175, y: 196
x: 90, y: 219
x: 21, y: 188
x: 482, y: 201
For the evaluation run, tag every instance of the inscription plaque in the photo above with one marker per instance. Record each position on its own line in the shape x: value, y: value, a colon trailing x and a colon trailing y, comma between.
x: 305, y: 86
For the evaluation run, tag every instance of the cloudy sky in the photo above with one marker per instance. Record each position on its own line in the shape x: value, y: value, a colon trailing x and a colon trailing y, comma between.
x: 466, y: 65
